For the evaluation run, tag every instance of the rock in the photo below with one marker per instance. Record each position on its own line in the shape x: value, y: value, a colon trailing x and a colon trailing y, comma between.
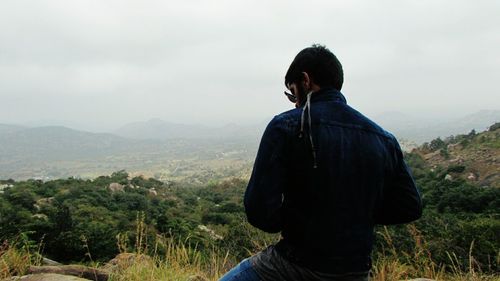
x: 125, y: 260
x: 46, y: 261
x: 49, y: 277
x: 73, y: 270
x: 4, y: 186
x: 213, y: 235
x: 45, y: 201
x: 41, y: 217
x: 471, y: 177
x: 114, y: 187
x: 448, y: 177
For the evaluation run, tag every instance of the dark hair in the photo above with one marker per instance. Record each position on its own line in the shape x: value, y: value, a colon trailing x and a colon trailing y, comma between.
x: 320, y: 64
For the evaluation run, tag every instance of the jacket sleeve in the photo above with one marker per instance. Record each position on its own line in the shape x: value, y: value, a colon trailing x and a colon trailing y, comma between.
x: 401, y: 202
x: 264, y: 193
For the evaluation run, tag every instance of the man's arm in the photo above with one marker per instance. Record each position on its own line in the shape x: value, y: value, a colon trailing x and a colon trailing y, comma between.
x: 264, y: 194
x: 401, y: 202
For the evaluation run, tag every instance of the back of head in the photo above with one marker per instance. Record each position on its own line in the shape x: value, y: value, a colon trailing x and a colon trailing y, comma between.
x: 320, y: 64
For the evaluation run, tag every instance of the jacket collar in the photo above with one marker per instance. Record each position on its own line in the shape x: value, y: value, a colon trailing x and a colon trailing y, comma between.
x: 326, y: 94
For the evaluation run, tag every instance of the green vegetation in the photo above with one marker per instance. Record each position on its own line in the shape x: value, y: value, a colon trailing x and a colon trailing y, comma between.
x: 201, y: 229
x: 81, y: 221
x: 472, y: 157
x: 64, y: 153
x: 71, y: 215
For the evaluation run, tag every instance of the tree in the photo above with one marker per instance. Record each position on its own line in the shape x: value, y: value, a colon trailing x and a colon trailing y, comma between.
x: 120, y: 177
x: 436, y: 144
x: 494, y: 127
x: 21, y: 196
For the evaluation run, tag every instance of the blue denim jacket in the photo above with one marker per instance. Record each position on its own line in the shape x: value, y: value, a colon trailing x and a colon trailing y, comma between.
x: 326, y: 202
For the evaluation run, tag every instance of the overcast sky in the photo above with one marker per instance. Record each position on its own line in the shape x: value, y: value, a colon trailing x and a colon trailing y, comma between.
x: 99, y: 64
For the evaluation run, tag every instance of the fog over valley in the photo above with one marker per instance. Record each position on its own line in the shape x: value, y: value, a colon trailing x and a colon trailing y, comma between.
x: 169, y: 151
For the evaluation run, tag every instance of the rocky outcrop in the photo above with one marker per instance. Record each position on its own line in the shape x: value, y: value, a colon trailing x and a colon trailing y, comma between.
x: 115, y: 187
x: 72, y: 270
x: 211, y: 233
x: 57, y: 272
x: 125, y: 260
x: 46, y: 261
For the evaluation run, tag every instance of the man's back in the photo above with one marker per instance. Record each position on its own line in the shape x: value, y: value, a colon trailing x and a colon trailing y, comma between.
x: 328, y: 212
x: 324, y: 176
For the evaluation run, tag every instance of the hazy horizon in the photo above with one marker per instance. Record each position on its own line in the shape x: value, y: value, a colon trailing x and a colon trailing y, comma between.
x: 96, y: 66
x: 439, y: 117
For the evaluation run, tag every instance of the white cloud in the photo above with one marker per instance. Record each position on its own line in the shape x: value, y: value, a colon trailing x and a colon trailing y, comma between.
x: 214, y: 61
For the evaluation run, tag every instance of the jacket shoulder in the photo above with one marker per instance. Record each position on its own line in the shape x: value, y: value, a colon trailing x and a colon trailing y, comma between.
x: 286, y: 119
x: 359, y: 121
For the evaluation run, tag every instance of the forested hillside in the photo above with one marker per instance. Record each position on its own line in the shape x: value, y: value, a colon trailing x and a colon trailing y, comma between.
x: 77, y: 220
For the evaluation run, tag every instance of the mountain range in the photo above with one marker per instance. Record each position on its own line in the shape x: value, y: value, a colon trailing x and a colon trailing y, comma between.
x: 157, y: 146
x: 160, y: 130
x: 424, y: 129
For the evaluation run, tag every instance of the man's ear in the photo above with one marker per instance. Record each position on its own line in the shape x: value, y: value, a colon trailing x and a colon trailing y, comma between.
x: 309, y: 84
x: 306, y: 80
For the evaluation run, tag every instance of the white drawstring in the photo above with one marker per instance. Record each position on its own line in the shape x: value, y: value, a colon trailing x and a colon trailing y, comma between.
x: 308, y: 107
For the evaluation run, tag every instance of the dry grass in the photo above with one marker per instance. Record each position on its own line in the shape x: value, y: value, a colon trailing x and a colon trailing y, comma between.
x: 395, y: 265
x: 17, y: 256
x: 183, y: 261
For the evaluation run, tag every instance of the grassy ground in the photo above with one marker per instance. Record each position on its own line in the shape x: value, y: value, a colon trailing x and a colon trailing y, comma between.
x: 182, y: 261
x: 185, y: 263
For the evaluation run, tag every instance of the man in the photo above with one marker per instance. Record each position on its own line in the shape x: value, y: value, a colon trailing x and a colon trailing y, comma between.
x: 324, y: 176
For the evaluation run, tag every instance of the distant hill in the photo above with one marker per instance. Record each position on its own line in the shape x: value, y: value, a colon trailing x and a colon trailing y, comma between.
x: 7, y: 129
x: 56, y: 142
x: 59, y: 152
x: 474, y: 157
x: 167, y: 150
x: 161, y: 130
x: 423, y: 129
x: 411, y: 131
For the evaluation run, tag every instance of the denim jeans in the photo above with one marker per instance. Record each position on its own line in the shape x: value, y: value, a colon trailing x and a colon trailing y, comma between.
x: 242, y: 272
